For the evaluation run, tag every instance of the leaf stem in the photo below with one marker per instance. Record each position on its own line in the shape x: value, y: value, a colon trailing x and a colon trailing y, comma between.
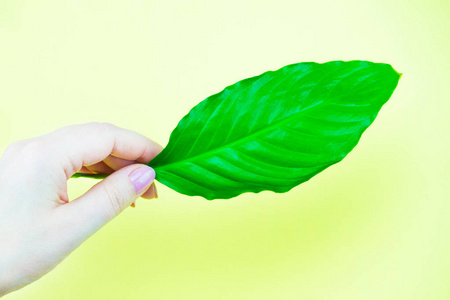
x: 87, y: 175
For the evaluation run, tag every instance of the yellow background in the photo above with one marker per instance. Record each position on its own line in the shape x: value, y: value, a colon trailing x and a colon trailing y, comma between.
x: 375, y: 226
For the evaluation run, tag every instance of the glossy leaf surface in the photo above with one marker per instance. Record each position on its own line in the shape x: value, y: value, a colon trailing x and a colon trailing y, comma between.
x: 274, y: 131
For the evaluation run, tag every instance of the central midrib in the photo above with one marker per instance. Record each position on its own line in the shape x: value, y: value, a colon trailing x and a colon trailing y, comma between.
x: 239, y: 140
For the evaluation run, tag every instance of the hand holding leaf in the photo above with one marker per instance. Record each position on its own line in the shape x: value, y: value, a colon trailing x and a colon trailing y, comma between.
x: 274, y: 131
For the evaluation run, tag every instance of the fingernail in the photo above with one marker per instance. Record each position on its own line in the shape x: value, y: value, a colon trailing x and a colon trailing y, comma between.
x: 151, y: 192
x: 141, y: 178
x: 156, y: 192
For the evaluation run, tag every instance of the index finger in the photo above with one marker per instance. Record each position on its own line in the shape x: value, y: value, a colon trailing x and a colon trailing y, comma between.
x: 85, y: 144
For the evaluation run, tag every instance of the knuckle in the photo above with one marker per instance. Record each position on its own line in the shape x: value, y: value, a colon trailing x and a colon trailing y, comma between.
x: 89, y: 126
x: 101, y: 127
x: 36, y: 151
x: 14, y: 147
x: 35, y: 146
x: 107, y: 126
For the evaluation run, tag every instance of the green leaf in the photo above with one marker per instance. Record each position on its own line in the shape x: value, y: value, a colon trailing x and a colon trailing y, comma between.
x: 274, y: 131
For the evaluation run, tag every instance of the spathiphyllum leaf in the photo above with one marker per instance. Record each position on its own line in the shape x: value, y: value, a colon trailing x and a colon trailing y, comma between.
x: 274, y: 131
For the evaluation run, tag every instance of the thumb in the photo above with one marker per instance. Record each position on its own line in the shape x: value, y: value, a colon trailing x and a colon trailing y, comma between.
x: 85, y: 215
x: 123, y: 187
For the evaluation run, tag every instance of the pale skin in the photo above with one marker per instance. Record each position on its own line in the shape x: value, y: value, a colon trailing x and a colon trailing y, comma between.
x: 39, y: 226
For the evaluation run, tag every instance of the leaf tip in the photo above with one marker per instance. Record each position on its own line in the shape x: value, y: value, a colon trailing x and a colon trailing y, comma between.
x: 398, y: 73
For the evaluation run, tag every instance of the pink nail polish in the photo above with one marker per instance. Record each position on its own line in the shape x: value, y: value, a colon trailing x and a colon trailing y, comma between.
x: 141, y: 178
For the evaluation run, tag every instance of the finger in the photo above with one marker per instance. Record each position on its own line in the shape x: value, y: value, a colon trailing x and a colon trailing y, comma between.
x: 100, y: 168
x: 83, y: 216
x: 85, y: 170
x: 117, y: 163
x: 87, y: 144
x: 151, y: 193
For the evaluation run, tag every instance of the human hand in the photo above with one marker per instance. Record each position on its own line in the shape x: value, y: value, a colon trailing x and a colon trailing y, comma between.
x: 39, y: 227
